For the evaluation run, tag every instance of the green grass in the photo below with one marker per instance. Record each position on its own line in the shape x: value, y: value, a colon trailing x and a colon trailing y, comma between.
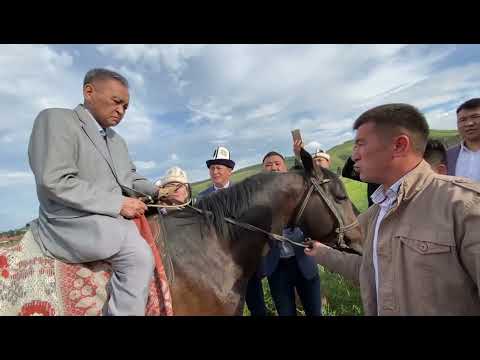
x: 339, y: 297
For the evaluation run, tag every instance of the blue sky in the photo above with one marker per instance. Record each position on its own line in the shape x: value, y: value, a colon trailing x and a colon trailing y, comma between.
x: 187, y: 99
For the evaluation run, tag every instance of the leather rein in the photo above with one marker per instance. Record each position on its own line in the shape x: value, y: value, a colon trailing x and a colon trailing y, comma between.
x: 316, y: 185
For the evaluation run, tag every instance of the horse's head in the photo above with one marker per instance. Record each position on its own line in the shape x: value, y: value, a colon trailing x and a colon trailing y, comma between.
x: 325, y: 212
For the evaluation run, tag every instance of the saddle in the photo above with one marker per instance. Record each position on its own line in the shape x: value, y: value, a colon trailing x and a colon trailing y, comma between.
x: 157, y: 225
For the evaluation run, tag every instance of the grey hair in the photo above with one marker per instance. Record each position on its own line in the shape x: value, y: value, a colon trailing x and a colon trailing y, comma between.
x: 103, y: 74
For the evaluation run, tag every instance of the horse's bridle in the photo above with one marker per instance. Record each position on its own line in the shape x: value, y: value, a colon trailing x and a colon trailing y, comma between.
x: 315, y: 186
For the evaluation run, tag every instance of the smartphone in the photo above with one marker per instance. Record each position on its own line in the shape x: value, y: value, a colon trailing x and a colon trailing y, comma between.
x: 296, y: 135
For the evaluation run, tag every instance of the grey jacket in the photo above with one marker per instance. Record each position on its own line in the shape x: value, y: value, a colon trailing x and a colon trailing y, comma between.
x: 78, y: 179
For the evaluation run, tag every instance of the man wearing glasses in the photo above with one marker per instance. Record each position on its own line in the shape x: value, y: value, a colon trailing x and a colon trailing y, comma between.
x: 464, y: 158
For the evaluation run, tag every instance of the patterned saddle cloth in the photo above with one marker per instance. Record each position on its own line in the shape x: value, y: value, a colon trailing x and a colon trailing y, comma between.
x: 33, y: 284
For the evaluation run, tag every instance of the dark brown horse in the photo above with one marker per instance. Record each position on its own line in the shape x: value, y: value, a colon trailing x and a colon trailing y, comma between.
x: 209, y: 260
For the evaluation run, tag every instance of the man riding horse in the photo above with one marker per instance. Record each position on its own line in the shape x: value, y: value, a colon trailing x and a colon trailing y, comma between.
x: 85, y: 186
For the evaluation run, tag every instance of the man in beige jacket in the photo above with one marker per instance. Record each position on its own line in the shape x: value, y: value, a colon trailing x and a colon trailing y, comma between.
x: 421, y: 250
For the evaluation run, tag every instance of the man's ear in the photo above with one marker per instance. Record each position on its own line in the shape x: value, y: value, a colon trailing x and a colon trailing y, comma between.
x: 401, y: 144
x: 87, y: 91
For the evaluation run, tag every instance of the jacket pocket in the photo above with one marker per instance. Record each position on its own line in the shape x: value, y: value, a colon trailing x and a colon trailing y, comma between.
x: 425, y: 247
x: 426, y: 240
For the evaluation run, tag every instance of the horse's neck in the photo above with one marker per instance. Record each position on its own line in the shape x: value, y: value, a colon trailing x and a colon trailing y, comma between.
x: 283, y: 200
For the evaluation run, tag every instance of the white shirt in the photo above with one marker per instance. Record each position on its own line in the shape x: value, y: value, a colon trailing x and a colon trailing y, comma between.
x: 386, y: 201
x: 100, y: 129
x: 218, y: 188
x: 468, y: 163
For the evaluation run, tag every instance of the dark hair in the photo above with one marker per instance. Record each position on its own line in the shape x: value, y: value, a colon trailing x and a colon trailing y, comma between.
x: 103, y: 74
x: 469, y: 105
x: 393, y: 117
x: 272, y: 153
x: 435, y: 152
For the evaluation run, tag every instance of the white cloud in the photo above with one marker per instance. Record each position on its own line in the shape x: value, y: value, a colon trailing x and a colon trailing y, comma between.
x: 9, y: 178
x: 145, y: 165
x: 266, y: 110
x: 24, y: 90
x: 172, y: 58
x: 173, y: 157
x: 7, y: 138
x: 136, y: 127
x: 133, y: 77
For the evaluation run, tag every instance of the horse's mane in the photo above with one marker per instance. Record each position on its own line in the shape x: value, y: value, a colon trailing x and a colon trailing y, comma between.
x: 233, y: 202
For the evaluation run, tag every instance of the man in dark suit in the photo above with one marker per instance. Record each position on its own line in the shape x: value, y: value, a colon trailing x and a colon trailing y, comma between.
x: 464, y: 159
x: 220, y: 168
x: 286, y: 267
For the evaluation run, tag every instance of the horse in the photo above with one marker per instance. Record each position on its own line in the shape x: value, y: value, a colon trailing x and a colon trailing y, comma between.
x: 210, y: 250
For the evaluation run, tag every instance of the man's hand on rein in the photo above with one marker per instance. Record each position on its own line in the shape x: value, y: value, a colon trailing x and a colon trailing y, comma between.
x: 314, y: 247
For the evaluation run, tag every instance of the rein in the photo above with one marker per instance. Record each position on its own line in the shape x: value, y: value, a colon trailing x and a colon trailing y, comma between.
x: 251, y: 227
x: 315, y: 186
x: 178, y: 207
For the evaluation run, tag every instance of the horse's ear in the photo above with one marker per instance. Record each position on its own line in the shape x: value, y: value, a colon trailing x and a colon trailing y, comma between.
x: 307, y: 162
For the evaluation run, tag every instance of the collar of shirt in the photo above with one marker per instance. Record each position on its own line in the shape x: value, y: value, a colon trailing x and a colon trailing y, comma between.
x: 386, y: 198
x: 464, y: 148
x: 100, y: 129
x: 217, y: 188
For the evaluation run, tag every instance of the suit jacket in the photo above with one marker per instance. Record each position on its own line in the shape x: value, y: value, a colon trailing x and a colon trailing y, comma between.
x: 306, y: 264
x: 209, y: 190
x: 79, y: 176
x: 452, y: 157
x: 205, y: 192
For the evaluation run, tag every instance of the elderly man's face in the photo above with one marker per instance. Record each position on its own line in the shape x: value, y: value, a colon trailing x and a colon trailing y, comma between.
x: 372, y: 153
x: 220, y: 174
x: 274, y: 163
x: 321, y: 162
x: 468, y: 122
x: 179, y: 194
x: 107, y: 100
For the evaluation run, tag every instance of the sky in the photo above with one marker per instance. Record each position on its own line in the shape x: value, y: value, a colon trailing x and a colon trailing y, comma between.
x: 187, y: 99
